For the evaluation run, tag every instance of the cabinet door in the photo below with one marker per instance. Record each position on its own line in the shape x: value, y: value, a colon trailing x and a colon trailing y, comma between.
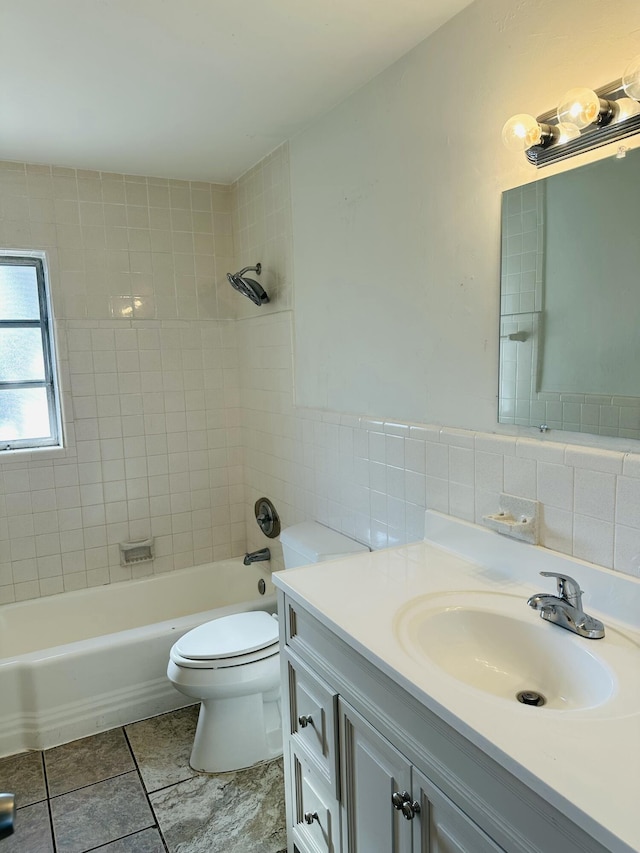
x: 372, y: 771
x: 442, y: 827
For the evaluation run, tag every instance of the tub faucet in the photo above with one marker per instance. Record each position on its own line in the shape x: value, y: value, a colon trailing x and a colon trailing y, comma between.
x: 257, y: 556
x: 565, y: 608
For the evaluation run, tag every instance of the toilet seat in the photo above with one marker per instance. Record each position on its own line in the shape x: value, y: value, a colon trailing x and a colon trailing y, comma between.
x: 229, y: 641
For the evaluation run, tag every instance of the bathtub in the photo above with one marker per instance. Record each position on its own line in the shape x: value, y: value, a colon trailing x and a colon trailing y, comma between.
x: 82, y: 662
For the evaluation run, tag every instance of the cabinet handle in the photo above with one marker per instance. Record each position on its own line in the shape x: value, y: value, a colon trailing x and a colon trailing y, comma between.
x: 305, y: 720
x: 309, y: 817
x: 398, y: 799
x: 410, y: 809
x: 402, y: 803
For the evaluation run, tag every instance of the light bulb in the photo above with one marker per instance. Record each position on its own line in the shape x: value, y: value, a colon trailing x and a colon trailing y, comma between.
x: 624, y: 108
x: 567, y: 132
x: 521, y: 132
x: 631, y: 79
x: 580, y: 107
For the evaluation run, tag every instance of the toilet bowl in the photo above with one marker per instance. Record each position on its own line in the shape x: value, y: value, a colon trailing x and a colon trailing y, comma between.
x: 231, y: 666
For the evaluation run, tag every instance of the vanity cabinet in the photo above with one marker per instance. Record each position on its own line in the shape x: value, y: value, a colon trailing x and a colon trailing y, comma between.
x: 389, y: 806
x: 350, y: 789
x: 370, y: 769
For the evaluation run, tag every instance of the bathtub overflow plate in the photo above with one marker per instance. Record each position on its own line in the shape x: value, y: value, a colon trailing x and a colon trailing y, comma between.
x: 267, y: 518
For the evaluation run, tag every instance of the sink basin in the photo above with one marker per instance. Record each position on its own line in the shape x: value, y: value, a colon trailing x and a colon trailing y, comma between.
x: 496, y: 644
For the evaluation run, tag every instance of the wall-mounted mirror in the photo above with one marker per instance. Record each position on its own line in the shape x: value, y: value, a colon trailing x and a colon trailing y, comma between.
x: 570, y: 300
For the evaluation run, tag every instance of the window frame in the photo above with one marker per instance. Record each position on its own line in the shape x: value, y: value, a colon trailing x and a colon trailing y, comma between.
x: 50, y: 381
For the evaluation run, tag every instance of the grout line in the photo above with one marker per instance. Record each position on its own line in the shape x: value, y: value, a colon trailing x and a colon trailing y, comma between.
x: 54, y: 842
x: 121, y: 837
x: 144, y: 788
x: 91, y: 784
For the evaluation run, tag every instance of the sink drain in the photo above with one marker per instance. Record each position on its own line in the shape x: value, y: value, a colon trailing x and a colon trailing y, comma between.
x: 531, y: 697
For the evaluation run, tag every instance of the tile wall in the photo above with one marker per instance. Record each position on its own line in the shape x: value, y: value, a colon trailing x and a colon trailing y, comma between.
x: 373, y: 479
x: 261, y: 213
x: 179, y: 418
x: 149, y: 380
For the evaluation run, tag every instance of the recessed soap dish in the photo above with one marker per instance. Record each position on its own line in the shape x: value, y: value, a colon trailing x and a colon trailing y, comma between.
x: 136, y: 552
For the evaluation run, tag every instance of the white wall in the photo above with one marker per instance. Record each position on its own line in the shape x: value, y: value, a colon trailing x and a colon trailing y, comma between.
x: 395, y: 151
x: 396, y: 207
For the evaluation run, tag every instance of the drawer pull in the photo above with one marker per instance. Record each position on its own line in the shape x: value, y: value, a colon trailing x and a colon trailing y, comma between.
x: 305, y: 720
x: 402, y: 803
x: 309, y: 817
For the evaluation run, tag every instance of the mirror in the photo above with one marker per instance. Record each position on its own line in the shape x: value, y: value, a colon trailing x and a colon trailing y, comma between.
x: 570, y: 300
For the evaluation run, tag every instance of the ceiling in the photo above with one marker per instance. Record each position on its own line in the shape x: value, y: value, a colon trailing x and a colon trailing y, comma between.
x: 191, y: 89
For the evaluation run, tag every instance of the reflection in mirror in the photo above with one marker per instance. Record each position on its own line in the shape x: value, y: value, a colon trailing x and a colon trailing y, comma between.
x: 570, y: 300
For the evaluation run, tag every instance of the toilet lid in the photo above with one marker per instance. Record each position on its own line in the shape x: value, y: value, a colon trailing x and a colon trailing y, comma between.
x: 229, y: 636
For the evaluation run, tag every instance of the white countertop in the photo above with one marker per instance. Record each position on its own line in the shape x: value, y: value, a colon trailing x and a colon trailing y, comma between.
x: 585, y: 762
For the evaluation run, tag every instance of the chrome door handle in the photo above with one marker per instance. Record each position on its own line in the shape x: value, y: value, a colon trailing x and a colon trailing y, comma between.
x: 309, y: 817
x: 305, y: 720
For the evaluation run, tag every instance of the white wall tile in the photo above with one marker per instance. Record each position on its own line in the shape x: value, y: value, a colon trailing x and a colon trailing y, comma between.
x: 555, y: 485
x: 461, y: 465
x: 627, y: 550
x: 594, y: 494
x: 594, y: 459
x: 593, y: 540
x: 628, y: 502
x: 520, y: 477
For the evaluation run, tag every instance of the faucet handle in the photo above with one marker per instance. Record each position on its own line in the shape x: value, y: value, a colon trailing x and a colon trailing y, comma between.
x: 568, y: 588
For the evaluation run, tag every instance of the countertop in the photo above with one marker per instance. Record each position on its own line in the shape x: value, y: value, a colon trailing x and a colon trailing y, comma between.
x: 585, y: 762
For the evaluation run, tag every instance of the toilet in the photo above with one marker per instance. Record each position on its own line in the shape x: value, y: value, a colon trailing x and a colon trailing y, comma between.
x: 231, y: 665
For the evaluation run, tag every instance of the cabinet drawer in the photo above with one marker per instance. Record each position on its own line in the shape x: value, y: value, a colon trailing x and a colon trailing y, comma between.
x: 312, y: 713
x: 316, y: 816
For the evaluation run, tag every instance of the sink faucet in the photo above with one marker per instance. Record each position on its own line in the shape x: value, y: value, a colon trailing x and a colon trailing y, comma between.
x: 565, y: 608
x: 257, y: 556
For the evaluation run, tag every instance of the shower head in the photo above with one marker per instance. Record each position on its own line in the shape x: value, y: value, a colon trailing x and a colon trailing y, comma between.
x: 248, y: 286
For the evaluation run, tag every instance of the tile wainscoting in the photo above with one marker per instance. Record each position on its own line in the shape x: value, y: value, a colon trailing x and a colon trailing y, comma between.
x: 372, y: 479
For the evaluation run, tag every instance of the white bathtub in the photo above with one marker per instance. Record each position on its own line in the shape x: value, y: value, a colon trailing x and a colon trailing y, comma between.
x: 78, y: 663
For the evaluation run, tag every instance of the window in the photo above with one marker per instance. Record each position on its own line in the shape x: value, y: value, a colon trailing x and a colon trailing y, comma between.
x: 29, y: 409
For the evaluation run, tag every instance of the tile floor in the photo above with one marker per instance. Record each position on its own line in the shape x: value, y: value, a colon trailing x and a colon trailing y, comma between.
x: 131, y: 790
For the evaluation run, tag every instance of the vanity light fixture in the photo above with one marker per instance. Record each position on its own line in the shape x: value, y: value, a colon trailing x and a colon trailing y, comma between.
x: 585, y: 119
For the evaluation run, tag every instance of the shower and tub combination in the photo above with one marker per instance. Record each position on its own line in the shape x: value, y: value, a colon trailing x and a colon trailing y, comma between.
x: 82, y: 662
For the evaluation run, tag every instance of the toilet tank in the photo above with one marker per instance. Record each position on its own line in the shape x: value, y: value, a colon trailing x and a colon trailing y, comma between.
x: 310, y: 542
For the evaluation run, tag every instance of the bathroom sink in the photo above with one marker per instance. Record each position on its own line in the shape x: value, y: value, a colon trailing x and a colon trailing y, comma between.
x: 496, y: 644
